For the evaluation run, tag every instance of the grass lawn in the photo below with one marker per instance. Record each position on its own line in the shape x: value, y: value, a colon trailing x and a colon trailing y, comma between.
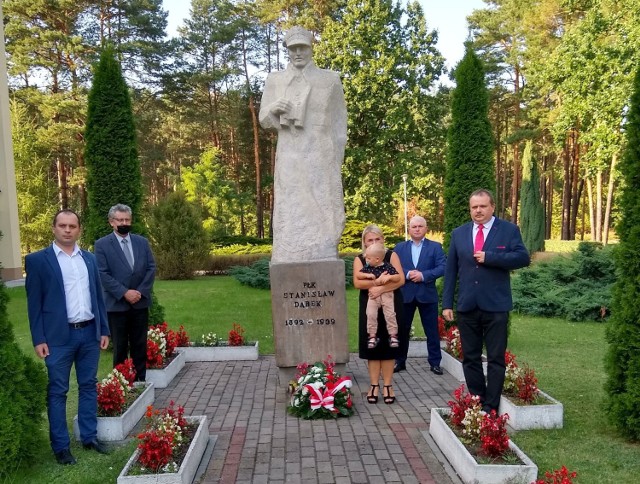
x: 567, y: 357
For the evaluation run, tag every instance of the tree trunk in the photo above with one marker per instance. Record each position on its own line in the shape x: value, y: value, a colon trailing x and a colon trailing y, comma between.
x: 592, y: 217
x: 576, y: 185
x: 607, y: 213
x: 566, y: 192
x: 599, y: 206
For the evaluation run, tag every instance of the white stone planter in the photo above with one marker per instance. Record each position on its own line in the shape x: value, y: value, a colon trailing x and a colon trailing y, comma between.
x: 112, y: 429
x: 189, y: 465
x: 417, y: 348
x: 454, y: 366
x: 222, y: 352
x: 467, y: 467
x: 525, y: 417
x: 162, y: 377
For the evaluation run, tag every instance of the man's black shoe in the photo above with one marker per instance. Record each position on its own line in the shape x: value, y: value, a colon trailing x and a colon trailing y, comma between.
x: 399, y: 367
x: 65, y: 458
x: 437, y: 370
x: 97, y: 446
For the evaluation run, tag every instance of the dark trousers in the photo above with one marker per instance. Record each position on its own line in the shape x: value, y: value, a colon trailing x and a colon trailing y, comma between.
x: 429, y: 318
x: 83, y: 351
x: 476, y: 327
x: 129, y: 336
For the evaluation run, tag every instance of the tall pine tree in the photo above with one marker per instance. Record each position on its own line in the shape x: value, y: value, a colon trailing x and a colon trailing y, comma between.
x: 111, y: 155
x: 531, y: 211
x: 623, y: 332
x: 470, y: 143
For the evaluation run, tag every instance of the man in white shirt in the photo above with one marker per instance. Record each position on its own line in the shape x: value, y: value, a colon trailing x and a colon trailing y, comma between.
x: 68, y: 322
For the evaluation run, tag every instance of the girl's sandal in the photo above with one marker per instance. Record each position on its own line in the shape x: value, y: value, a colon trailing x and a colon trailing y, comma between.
x: 372, y: 343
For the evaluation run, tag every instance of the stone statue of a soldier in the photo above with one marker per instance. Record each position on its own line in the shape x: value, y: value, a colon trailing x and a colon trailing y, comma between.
x: 305, y: 105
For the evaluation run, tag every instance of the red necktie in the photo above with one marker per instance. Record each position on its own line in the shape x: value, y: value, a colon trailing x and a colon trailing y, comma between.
x: 477, y: 247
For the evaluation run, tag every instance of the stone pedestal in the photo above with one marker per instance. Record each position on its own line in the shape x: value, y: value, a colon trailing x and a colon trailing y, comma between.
x: 309, y: 312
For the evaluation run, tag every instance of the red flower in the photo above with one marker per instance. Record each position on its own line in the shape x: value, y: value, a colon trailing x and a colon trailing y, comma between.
x: 236, y: 337
x: 128, y: 370
x: 559, y: 476
x: 493, y: 434
x: 442, y: 329
x: 110, y: 397
x: 460, y: 404
x: 154, y: 357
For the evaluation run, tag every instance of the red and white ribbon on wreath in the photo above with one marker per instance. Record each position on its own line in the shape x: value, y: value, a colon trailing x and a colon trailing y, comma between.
x: 326, y: 399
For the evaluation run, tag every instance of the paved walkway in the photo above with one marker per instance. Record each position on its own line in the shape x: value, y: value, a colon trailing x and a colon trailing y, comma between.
x: 258, y: 442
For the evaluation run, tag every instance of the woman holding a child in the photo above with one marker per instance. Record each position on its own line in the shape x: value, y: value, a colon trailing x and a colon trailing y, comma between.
x: 380, y: 348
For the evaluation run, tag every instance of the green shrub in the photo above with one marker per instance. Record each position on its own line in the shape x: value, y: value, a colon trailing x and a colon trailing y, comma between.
x: 242, y: 249
x: 564, y: 246
x: 576, y: 287
x: 177, y: 237
x: 23, y: 384
x: 156, y: 311
x: 257, y: 274
x: 226, y: 240
x: 220, y: 264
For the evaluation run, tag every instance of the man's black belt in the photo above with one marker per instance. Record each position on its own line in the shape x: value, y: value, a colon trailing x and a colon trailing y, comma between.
x: 81, y: 324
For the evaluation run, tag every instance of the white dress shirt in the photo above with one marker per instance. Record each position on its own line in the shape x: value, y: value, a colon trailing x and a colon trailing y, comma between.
x: 76, y: 284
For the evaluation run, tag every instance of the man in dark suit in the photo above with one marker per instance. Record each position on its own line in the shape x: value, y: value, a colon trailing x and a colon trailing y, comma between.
x: 423, y: 261
x: 127, y: 270
x: 481, y: 255
x: 69, y: 326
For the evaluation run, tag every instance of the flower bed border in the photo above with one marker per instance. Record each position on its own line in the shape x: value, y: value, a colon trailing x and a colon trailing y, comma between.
x: 454, y: 366
x: 161, y: 377
x: 526, y: 417
x: 222, y: 352
x: 114, y: 429
x: 188, y: 468
x: 418, y: 347
x: 466, y: 466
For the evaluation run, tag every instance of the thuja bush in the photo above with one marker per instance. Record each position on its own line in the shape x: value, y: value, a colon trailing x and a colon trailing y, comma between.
x: 257, y: 274
x: 22, y: 398
x: 576, y: 287
x: 177, y: 237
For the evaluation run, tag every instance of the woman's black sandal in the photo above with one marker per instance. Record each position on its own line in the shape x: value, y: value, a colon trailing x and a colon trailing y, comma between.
x: 373, y: 398
x: 388, y: 399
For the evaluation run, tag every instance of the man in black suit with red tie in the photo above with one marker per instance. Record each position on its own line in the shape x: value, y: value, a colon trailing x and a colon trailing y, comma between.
x: 482, y: 253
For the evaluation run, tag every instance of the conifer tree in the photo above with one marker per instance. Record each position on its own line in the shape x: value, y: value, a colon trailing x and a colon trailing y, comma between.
x: 22, y: 398
x: 111, y: 155
x: 531, y: 211
x: 469, y: 143
x: 623, y: 331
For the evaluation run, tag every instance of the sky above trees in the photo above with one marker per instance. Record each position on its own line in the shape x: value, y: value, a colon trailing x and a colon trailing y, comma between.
x: 448, y: 18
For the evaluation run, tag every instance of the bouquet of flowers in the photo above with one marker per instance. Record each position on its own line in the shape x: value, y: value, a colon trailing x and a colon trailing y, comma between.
x: 115, y: 388
x: 163, y: 435
x: 519, y: 381
x: 162, y: 342
x: 485, y: 433
x: 319, y: 392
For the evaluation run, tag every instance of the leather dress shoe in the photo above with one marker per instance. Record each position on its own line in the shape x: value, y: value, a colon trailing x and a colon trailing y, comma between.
x: 65, y: 458
x: 97, y: 446
x: 399, y: 367
x: 437, y: 370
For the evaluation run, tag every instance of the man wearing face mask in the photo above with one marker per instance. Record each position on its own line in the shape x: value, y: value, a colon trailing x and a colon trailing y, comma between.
x: 127, y: 270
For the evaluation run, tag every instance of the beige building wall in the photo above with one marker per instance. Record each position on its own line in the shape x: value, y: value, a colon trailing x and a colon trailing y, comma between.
x: 10, y: 242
